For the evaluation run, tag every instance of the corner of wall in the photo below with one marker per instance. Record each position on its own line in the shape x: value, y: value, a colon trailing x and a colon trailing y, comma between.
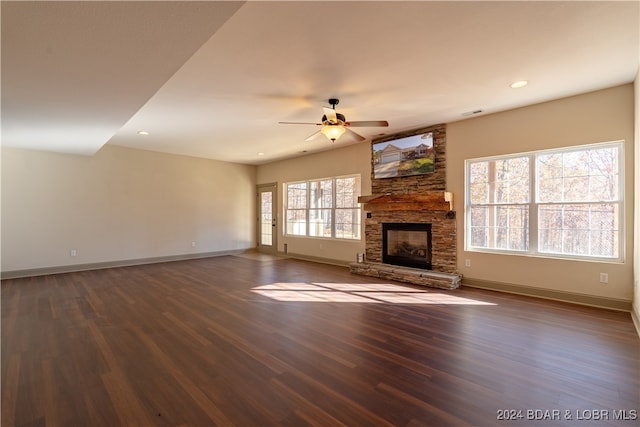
x: 636, y: 245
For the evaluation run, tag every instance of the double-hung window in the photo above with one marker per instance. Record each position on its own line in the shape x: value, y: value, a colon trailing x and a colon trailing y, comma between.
x: 325, y: 207
x: 320, y: 208
x: 558, y: 203
x: 296, y: 212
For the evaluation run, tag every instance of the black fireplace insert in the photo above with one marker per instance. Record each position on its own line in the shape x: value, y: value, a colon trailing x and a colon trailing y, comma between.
x: 407, y: 244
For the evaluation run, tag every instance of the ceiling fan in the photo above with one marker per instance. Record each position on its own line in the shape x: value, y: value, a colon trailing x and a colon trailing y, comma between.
x: 334, y: 124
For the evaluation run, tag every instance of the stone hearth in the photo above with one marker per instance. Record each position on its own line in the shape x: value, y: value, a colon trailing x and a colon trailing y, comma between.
x: 415, y: 276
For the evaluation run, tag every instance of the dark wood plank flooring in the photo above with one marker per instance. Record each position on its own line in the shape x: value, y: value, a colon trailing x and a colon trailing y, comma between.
x: 254, y: 341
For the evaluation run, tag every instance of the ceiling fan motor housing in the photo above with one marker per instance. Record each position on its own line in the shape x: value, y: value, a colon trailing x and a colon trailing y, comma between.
x: 339, y: 116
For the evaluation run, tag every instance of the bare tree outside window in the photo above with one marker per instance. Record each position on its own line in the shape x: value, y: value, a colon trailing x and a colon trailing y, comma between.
x: 574, y: 187
x: 325, y: 207
x: 296, y: 212
x: 320, y: 204
x: 347, y: 223
x: 572, y: 195
x: 499, y: 194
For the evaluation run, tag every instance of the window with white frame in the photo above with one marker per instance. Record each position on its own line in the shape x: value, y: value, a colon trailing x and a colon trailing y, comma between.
x: 559, y: 203
x: 296, y: 209
x: 325, y: 207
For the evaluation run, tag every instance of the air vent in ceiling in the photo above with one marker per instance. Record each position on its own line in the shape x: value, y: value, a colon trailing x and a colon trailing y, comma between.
x: 472, y: 113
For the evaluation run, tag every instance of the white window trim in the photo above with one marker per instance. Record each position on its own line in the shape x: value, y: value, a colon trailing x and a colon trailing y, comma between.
x: 333, y: 209
x: 534, y: 204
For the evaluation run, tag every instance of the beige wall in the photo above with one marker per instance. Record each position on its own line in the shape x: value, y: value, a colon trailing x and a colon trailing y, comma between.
x: 352, y: 159
x: 636, y: 256
x: 600, y: 116
x: 121, y: 204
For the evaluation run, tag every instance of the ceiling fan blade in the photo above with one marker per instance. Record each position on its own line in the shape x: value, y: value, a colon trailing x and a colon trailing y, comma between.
x: 299, y: 123
x: 369, y: 123
x: 330, y: 114
x: 355, y: 135
x: 314, y: 136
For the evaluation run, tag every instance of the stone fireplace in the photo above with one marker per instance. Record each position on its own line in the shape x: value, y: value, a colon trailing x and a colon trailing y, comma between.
x: 409, y: 204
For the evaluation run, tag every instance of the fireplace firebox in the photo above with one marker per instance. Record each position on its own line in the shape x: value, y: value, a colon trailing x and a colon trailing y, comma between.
x: 407, y: 244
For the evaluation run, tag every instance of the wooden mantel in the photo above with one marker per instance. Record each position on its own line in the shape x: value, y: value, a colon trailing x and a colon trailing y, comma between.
x: 432, y: 201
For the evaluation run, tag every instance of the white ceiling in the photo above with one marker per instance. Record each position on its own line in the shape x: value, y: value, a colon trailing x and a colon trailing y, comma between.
x: 213, y: 79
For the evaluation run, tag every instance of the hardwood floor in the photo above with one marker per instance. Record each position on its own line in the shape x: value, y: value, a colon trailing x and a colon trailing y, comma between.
x: 265, y: 341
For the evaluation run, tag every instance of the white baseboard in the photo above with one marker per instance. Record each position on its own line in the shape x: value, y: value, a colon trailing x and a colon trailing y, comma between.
x: 315, y: 259
x: 15, y: 274
x: 636, y: 319
x: 552, y: 294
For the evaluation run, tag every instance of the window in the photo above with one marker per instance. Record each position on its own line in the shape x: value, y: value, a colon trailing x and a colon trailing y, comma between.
x: 325, y: 207
x: 559, y: 203
x: 296, y: 213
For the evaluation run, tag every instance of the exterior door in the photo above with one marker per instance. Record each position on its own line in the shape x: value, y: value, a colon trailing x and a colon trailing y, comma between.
x: 267, y: 218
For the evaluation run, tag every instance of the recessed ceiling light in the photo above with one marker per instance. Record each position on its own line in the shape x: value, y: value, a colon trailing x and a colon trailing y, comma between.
x: 519, y: 84
x: 143, y: 132
x: 261, y: 154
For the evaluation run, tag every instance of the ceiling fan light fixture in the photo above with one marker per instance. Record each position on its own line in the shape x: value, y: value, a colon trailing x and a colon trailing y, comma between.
x: 334, y: 124
x: 333, y: 132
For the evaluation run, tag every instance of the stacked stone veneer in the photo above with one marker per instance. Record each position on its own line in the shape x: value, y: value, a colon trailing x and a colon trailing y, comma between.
x: 418, y: 184
x: 443, y: 223
x: 443, y: 235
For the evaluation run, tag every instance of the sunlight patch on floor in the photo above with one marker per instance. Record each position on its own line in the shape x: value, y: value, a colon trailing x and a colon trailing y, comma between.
x: 360, y: 293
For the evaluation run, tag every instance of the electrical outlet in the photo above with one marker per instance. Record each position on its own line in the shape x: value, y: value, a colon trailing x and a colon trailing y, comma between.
x: 467, y: 262
x: 74, y: 252
x: 193, y: 244
x: 604, y: 278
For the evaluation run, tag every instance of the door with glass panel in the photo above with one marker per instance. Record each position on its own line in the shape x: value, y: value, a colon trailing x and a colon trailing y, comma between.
x: 267, y: 218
